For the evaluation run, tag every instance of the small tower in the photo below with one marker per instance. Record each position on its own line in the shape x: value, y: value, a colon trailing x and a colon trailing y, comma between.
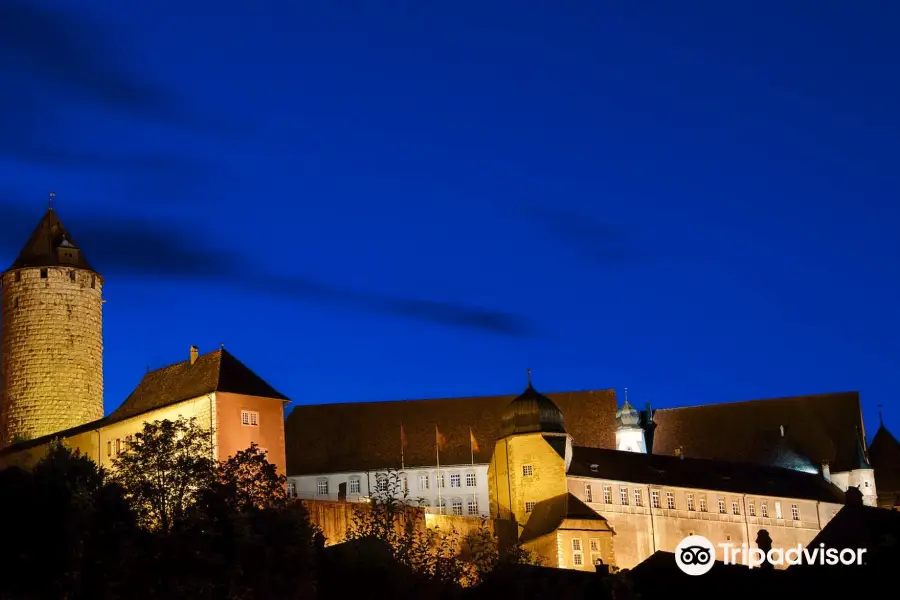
x: 629, y: 433
x: 51, y: 337
x: 863, y: 475
x: 531, y: 457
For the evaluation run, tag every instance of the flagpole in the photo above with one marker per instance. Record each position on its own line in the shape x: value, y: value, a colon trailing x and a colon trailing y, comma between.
x: 437, y: 445
x: 472, y: 448
x: 403, y: 483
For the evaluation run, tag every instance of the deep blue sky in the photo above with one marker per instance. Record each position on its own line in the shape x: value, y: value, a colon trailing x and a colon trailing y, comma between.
x: 697, y: 201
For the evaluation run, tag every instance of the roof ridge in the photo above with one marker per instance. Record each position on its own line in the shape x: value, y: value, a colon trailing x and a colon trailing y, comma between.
x: 732, y: 402
x: 450, y: 398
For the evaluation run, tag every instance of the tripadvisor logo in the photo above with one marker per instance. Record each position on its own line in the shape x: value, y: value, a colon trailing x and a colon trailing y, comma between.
x: 695, y: 555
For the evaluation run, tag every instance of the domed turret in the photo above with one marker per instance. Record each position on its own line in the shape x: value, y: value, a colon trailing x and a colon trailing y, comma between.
x: 628, y: 416
x: 531, y: 413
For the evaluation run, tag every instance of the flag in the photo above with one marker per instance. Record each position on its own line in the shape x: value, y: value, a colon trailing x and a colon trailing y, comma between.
x: 441, y: 440
x: 473, y: 441
x: 402, y: 438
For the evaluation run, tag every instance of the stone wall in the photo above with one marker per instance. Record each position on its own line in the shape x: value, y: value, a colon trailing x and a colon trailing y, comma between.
x: 51, y: 351
x: 335, y: 518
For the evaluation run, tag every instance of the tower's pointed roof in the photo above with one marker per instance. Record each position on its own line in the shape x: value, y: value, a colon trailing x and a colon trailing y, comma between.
x: 531, y: 412
x: 41, y: 250
x: 862, y: 461
x: 628, y: 416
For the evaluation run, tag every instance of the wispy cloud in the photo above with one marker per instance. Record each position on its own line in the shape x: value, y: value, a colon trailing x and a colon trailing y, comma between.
x: 138, y: 248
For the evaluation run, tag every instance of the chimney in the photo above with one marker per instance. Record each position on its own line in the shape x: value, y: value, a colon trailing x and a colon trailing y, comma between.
x: 194, y: 354
x: 826, y: 471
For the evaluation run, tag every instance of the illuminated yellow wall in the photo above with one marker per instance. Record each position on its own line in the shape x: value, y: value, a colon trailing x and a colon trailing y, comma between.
x: 51, y: 351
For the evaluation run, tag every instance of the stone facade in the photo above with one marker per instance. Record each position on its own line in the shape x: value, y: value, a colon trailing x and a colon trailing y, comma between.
x: 51, y: 351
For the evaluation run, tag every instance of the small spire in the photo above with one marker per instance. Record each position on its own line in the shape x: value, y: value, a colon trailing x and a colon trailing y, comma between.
x: 626, y: 394
x: 880, y: 418
x: 529, y: 377
x: 222, y: 345
x: 50, y: 200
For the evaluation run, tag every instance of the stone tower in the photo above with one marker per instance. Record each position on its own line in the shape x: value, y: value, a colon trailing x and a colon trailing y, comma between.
x: 530, y: 460
x: 51, y: 338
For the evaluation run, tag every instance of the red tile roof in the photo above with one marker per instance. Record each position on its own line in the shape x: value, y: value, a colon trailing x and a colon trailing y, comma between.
x: 819, y: 427
x: 329, y: 438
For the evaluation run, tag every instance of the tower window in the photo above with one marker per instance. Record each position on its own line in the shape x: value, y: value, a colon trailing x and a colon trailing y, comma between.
x: 93, y: 281
x: 529, y: 506
x: 43, y: 273
x: 71, y: 275
x: 527, y: 470
x: 18, y: 275
x: 250, y: 418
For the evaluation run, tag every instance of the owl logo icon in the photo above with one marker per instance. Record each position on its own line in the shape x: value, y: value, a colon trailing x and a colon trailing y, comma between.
x: 695, y: 555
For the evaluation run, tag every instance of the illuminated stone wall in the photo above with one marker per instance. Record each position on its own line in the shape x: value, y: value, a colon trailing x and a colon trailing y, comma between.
x: 51, y: 351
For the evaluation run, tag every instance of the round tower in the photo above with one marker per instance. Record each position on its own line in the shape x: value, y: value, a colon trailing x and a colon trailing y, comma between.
x: 51, y: 337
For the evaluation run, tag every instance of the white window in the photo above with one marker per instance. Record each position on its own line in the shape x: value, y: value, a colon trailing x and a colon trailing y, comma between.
x: 354, y: 485
x: 527, y: 471
x: 588, y: 494
x: 322, y: 487
x: 795, y: 512
x: 778, y: 510
x: 751, y: 509
x: 381, y: 483
x: 721, y: 506
x: 595, y: 545
x: 690, y: 501
x: 473, y: 507
x: 250, y: 418
x: 470, y: 479
x: 764, y: 510
x: 529, y: 506
x: 456, y: 505
x: 654, y: 498
x: 670, y: 500
x: 734, y: 508
x: 291, y: 490
x: 702, y: 503
x: 442, y: 505
x: 118, y: 445
x: 404, y: 484
x: 638, y: 497
x: 455, y: 480
x: 607, y: 494
x: 623, y: 495
x: 424, y: 482
x: 441, y: 480
x: 577, y: 556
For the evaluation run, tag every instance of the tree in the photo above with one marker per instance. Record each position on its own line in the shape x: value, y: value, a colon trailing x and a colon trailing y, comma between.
x: 164, y: 470
x: 249, y: 481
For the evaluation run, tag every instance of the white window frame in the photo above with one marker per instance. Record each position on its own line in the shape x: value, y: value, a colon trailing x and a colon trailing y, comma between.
x: 455, y: 480
x: 471, y: 479
x: 473, y: 507
x: 722, y: 509
x: 751, y: 509
x: 701, y: 501
x: 381, y: 483
x: 249, y: 418
x: 322, y: 487
x: 670, y: 500
x: 588, y: 493
x: 778, y: 514
x: 623, y: 495
x: 689, y: 501
x: 358, y: 486
x: 764, y: 510
x: 595, y: 545
x: 734, y: 508
x: 527, y: 471
x: 607, y: 494
x: 654, y: 499
x: 425, y: 482
x: 456, y: 507
x: 291, y: 489
x: 795, y: 512
x: 638, y: 497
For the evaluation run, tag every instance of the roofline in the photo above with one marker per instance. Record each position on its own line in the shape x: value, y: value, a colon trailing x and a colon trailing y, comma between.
x: 451, y: 398
x: 13, y: 269
x: 732, y: 402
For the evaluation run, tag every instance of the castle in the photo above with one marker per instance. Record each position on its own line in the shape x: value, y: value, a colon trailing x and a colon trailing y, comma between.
x: 572, y: 475
x: 51, y: 369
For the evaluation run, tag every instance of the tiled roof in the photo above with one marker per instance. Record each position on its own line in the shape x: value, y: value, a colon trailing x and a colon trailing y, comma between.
x: 329, y: 438
x: 820, y: 427
x: 41, y: 248
x: 548, y: 515
x: 735, y: 477
x: 217, y: 371
x: 884, y: 454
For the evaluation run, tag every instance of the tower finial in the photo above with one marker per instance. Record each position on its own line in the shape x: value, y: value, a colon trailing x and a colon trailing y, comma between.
x: 626, y: 394
x: 529, y: 377
x: 880, y: 418
x: 50, y: 200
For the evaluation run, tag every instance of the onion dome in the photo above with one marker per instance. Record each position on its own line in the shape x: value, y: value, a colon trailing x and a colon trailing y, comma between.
x: 531, y: 413
x: 628, y: 416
